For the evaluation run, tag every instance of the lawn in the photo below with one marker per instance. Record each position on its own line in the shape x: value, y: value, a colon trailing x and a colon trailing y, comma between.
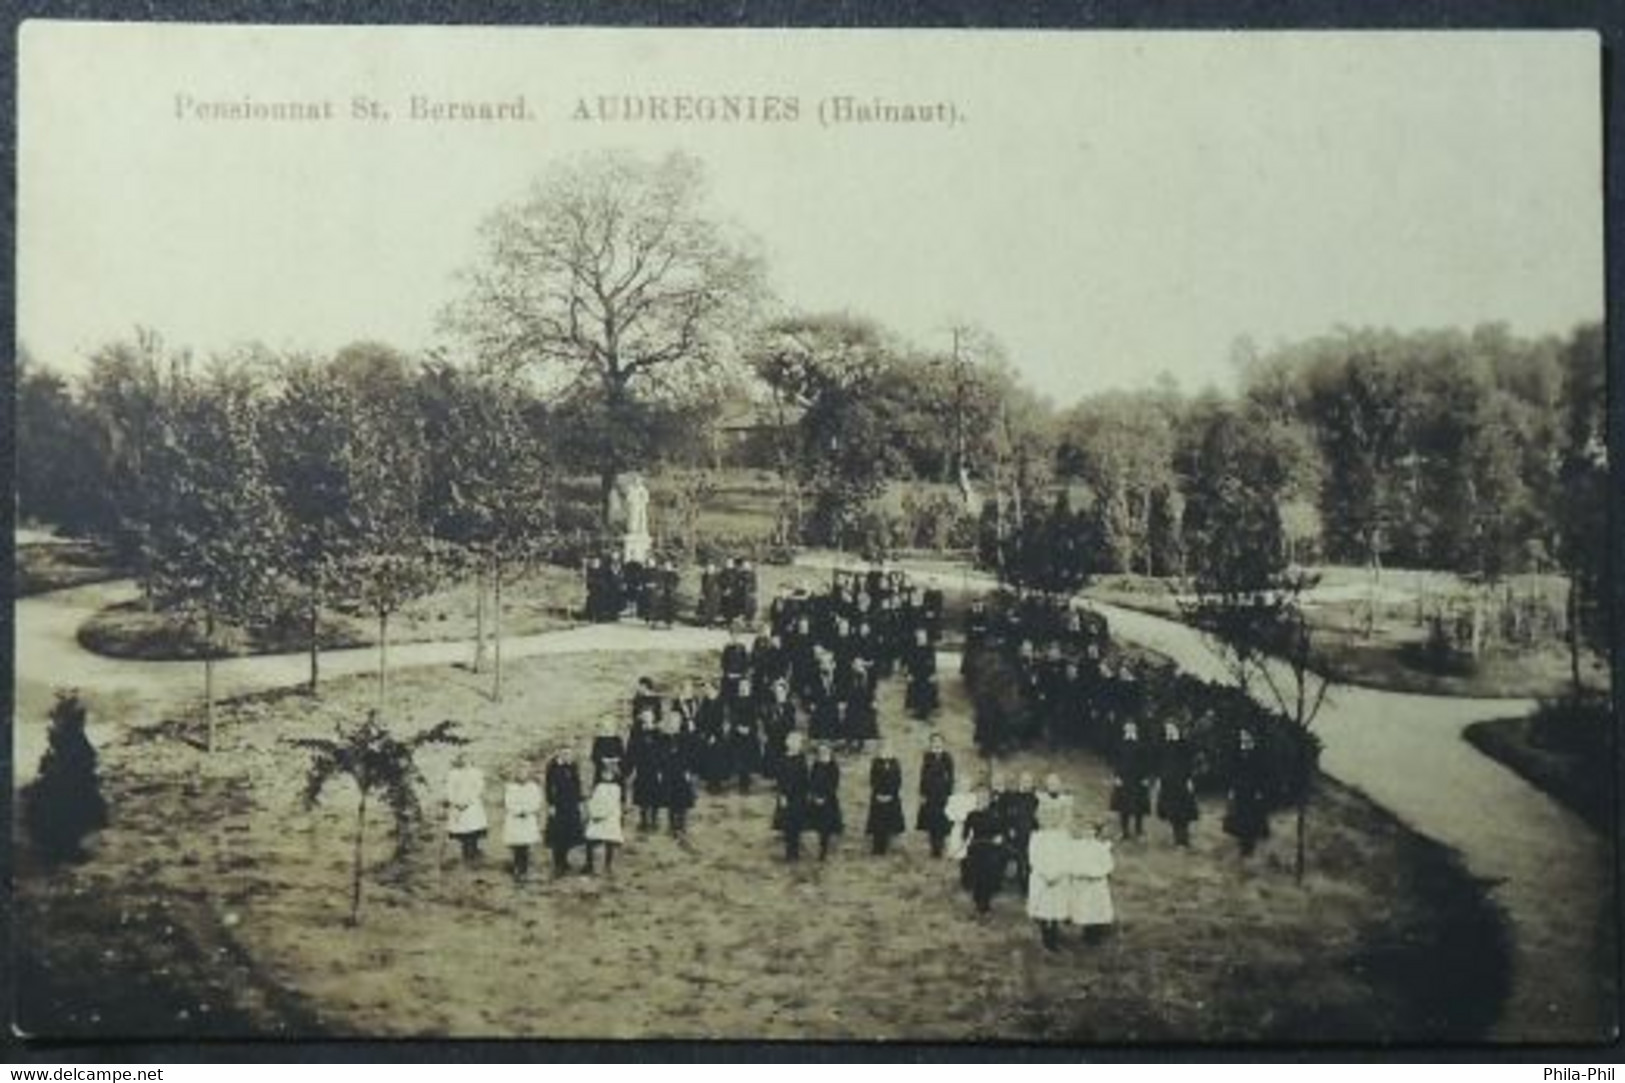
x: 1393, y: 655
x: 540, y: 600
x: 1581, y: 778
x: 215, y: 904
x: 43, y: 565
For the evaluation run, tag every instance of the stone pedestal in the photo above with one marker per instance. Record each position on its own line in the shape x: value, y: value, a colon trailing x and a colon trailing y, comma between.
x: 635, y: 547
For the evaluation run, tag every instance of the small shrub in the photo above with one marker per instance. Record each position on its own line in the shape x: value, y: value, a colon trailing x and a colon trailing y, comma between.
x: 1580, y: 727
x: 1438, y: 653
x: 64, y: 804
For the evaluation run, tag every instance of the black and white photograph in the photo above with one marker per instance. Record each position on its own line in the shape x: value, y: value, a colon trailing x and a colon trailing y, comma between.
x: 1071, y: 538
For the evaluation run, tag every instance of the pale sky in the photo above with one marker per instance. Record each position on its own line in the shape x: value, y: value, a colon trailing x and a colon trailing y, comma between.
x: 1113, y: 205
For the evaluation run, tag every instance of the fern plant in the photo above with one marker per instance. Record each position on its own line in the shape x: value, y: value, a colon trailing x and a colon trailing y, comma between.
x: 378, y: 763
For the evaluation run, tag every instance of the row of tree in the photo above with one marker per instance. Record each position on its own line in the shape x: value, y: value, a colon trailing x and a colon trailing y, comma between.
x: 611, y: 318
x: 1439, y: 449
x: 253, y: 489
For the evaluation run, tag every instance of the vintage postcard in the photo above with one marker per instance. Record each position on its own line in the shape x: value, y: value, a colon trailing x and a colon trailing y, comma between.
x: 803, y: 534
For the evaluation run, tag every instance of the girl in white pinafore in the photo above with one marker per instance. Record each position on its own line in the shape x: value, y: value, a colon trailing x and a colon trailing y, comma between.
x: 521, y: 823
x: 465, y: 806
x: 1090, y: 902
x: 960, y: 805
x: 1049, y: 884
x: 604, y: 818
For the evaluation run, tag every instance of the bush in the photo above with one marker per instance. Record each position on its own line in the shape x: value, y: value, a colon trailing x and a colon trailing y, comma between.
x: 1578, y: 727
x: 64, y: 804
x: 1438, y: 653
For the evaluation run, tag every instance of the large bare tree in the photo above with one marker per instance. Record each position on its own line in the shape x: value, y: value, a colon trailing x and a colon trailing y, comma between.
x: 610, y: 282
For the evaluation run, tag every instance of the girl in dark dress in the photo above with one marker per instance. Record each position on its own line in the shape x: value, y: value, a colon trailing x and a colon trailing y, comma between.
x: 982, y: 867
x: 711, y: 740
x: 790, y: 812
x: 744, y: 736
x: 778, y: 717
x: 1247, y: 819
x: 593, y: 573
x: 977, y: 628
x: 645, y: 583
x: 936, y: 786
x: 676, y: 776
x: 1021, y: 820
x: 644, y: 754
x: 710, y: 596
x: 608, y: 753
x: 565, y: 831
x: 921, y: 696
x: 685, y: 706
x: 824, y: 723
x: 666, y: 613
x: 803, y: 658
x: 645, y: 698
x: 1176, y: 791
x: 862, y: 720
x: 1131, y: 791
x: 824, y: 798
x: 735, y: 663
x: 885, y: 799
x: 764, y: 662
x: 750, y: 592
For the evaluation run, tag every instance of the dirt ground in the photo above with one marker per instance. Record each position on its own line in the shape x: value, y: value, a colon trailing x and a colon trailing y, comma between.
x: 1386, y: 940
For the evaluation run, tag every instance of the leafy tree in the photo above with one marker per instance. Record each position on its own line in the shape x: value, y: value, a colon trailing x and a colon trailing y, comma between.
x: 64, y: 802
x: 1581, y: 509
x: 611, y: 281
x: 1361, y: 420
x: 363, y: 534
x: 1167, y: 544
x: 1122, y: 446
x: 60, y: 477
x: 394, y: 557
x: 690, y: 490
x: 486, y: 481
x: 1232, y: 521
x: 377, y: 763
x: 1054, y: 551
x: 215, y: 526
x: 826, y: 367
x: 126, y: 392
x: 310, y: 432
x: 1245, y: 600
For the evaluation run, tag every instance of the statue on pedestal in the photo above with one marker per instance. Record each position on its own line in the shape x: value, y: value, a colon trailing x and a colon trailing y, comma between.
x: 635, y: 499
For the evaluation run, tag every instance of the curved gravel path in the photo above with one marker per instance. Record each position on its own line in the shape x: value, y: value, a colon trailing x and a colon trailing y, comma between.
x: 1551, y: 874
x: 49, y: 653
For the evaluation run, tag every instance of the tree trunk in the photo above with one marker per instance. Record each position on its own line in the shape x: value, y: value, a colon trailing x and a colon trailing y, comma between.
x: 208, y: 674
x: 315, y: 647
x: 479, y: 619
x: 496, y: 627
x: 1299, y: 858
x: 383, y: 656
x: 1574, y: 633
x: 355, y: 863
x: 1374, y: 563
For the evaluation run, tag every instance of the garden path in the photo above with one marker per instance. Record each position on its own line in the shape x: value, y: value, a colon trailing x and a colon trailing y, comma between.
x: 1553, y: 876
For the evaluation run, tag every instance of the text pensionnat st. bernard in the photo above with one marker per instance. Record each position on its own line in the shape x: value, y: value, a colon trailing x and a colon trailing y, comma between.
x: 837, y: 109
